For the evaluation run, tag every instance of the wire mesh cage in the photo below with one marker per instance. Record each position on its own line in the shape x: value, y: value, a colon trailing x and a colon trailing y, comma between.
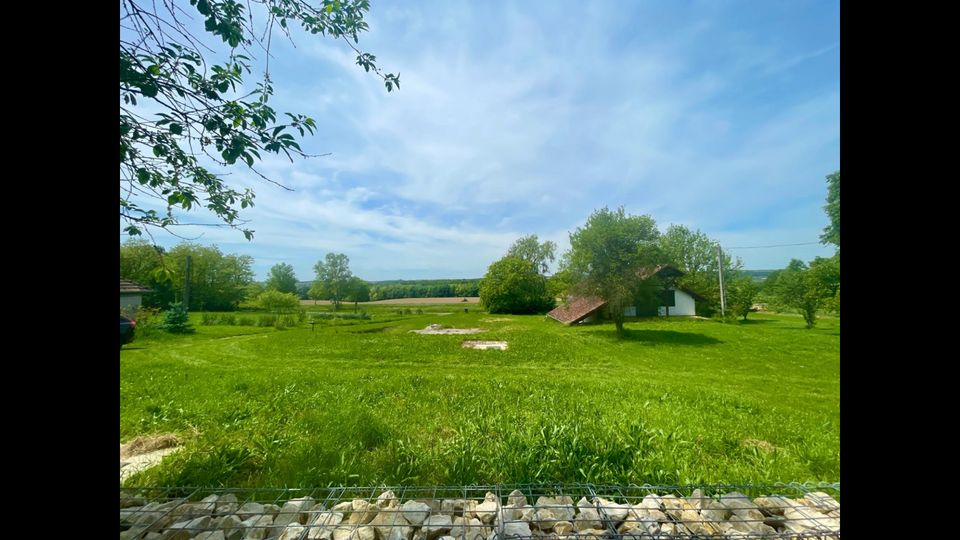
x: 495, y: 512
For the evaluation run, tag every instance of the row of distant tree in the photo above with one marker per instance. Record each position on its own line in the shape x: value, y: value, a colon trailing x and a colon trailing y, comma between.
x: 222, y: 282
x: 609, y: 252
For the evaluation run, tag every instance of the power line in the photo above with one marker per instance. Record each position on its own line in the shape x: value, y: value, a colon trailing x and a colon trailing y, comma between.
x: 774, y: 245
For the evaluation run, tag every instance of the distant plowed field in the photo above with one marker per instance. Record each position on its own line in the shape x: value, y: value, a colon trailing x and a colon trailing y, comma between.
x: 404, y: 301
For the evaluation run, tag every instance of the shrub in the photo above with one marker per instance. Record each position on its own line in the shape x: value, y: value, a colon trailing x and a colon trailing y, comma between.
x: 245, y: 321
x: 278, y: 302
x: 228, y: 319
x: 267, y: 320
x: 208, y: 319
x: 148, y: 320
x: 177, y: 320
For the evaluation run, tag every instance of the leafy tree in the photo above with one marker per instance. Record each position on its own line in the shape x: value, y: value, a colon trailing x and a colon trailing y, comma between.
x: 333, y: 279
x: 303, y: 290
x: 282, y: 278
x: 606, y: 255
x: 358, y: 290
x: 182, y: 113
x: 177, y: 320
x: 530, y: 249
x: 218, y: 282
x: 513, y: 285
x: 695, y: 253
x: 831, y: 234
x: 805, y: 289
x: 278, y: 302
x: 142, y: 262
x: 741, y: 293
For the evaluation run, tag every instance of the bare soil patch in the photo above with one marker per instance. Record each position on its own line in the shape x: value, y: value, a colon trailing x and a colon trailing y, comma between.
x: 440, y: 329
x: 485, y: 345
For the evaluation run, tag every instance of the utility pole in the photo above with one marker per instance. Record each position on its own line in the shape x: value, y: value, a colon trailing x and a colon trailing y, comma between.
x: 186, y: 284
x: 723, y: 302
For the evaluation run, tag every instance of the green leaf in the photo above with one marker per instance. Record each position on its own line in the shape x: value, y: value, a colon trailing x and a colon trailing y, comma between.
x: 176, y: 129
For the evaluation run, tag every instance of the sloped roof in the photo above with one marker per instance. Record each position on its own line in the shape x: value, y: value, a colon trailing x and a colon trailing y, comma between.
x: 662, y: 270
x: 578, y: 308
x: 132, y: 287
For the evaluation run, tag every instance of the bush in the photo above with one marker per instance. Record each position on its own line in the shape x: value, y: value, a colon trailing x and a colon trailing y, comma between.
x: 148, y: 320
x: 267, y: 320
x: 177, y: 320
x: 245, y: 321
x: 228, y: 319
x: 512, y: 285
x: 278, y: 302
x: 208, y: 319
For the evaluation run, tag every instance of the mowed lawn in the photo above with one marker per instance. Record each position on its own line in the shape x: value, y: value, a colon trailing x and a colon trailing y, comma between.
x: 368, y: 402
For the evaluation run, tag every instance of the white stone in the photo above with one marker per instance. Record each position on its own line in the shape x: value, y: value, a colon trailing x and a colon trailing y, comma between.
x: 415, y: 512
x: 587, y: 517
x: 293, y: 531
x: 362, y: 512
x: 387, y: 499
x: 467, y: 529
x: 487, y: 510
x: 258, y: 527
x: 250, y: 509
x: 821, y: 501
x: 231, y: 527
x: 437, y: 525
x: 516, y: 498
x: 615, y: 511
x: 514, y: 529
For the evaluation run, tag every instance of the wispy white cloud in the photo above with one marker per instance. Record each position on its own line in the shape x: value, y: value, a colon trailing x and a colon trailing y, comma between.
x: 515, y: 119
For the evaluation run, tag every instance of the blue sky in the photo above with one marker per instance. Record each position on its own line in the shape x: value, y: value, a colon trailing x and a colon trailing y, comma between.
x: 518, y: 118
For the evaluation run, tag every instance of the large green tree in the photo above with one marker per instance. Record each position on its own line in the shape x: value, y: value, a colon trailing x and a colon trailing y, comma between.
x: 606, y: 255
x: 831, y: 234
x: 514, y: 285
x: 529, y: 248
x: 282, y: 278
x: 188, y: 111
x: 218, y: 281
x: 332, y: 279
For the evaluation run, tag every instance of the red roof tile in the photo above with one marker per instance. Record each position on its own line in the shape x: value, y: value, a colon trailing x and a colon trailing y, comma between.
x: 576, y: 309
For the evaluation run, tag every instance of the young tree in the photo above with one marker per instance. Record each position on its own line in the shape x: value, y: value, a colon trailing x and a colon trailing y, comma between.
x: 513, y: 285
x: 358, y: 290
x: 805, y: 288
x: 183, y: 110
x: 282, y: 278
x: 741, y: 293
x: 333, y: 279
x: 606, y: 255
x: 530, y: 249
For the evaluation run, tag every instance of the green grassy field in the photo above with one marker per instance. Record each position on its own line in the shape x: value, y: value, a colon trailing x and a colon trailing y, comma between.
x: 367, y: 402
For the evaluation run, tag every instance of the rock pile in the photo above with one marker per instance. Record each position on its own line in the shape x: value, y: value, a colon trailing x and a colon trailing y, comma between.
x: 733, y: 515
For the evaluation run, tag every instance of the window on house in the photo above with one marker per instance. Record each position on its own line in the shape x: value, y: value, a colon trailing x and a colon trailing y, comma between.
x: 670, y: 298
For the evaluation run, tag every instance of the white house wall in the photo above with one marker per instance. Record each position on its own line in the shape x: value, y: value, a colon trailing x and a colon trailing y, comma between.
x: 684, y: 305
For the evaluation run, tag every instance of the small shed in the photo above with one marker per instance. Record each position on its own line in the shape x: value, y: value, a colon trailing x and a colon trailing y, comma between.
x: 131, y: 295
